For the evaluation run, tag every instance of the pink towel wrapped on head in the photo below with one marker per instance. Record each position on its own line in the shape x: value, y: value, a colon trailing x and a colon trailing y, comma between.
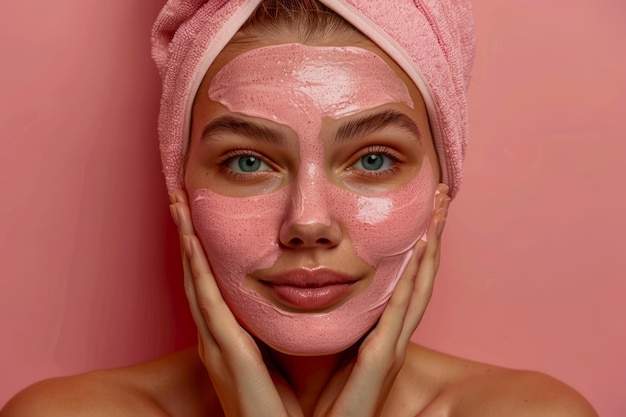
x: 431, y: 40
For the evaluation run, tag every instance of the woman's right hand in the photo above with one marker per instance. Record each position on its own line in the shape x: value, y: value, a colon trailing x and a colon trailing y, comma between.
x: 241, y: 379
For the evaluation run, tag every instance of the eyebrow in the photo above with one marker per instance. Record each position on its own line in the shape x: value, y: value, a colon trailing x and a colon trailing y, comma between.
x: 250, y: 129
x: 370, y: 124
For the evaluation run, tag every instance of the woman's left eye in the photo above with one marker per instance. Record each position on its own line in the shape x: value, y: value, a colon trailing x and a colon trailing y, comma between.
x: 247, y: 164
x: 373, y: 162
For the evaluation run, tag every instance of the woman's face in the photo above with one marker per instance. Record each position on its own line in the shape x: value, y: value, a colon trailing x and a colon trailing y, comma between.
x: 311, y: 174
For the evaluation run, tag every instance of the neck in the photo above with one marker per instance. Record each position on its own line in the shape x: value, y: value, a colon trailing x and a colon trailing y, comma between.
x: 310, y: 376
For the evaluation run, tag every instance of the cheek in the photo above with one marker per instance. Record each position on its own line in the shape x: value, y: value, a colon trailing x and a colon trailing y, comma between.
x: 239, y: 235
x: 383, y: 227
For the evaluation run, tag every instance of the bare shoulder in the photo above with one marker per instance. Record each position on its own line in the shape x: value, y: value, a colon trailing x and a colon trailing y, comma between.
x: 166, y: 387
x: 93, y: 394
x: 463, y: 388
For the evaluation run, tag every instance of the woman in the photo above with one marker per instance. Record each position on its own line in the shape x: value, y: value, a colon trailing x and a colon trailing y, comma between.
x: 310, y: 200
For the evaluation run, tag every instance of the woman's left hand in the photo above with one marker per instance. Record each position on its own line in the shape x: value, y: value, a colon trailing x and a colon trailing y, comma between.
x: 362, y: 387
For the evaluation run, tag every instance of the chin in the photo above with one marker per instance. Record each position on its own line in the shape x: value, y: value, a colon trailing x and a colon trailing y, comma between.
x: 313, y: 336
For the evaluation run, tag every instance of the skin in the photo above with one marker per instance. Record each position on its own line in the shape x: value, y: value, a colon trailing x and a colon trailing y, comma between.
x: 230, y: 373
x: 310, y: 186
x: 286, y: 384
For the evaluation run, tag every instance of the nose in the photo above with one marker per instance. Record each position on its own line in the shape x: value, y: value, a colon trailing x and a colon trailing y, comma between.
x: 309, y: 223
x: 310, y: 235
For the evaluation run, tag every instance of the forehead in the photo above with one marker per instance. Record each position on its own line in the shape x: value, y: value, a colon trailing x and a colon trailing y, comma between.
x: 205, y: 109
x: 308, y: 80
x: 235, y: 49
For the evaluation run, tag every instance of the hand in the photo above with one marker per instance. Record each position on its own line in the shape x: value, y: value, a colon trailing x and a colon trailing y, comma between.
x: 364, y: 384
x: 242, y: 381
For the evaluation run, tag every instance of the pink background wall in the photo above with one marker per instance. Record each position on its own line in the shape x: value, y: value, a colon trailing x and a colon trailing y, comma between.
x: 533, y: 269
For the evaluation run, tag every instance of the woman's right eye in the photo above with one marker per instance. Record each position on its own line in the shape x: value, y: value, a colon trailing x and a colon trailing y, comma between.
x: 247, y: 164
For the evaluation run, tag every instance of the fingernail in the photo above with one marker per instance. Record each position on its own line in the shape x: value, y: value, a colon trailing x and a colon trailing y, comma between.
x: 174, y: 212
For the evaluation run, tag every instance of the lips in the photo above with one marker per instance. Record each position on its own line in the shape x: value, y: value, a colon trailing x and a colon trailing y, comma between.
x: 310, y: 288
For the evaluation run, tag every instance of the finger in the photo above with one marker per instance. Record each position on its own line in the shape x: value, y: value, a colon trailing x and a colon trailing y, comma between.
x: 192, y: 297
x: 413, y: 290
x: 392, y: 318
x: 424, y: 280
x: 379, y: 359
x: 422, y: 272
x: 219, y: 319
x: 178, y: 196
x: 222, y: 324
x: 382, y: 353
x: 208, y: 298
x: 228, y: 352
x: 208, y: 302
x: 179, y: 212
x: 182, y: 216
x: 441, y: 199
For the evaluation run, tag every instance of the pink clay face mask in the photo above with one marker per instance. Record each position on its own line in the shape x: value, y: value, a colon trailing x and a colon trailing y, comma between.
x: 299, y: 86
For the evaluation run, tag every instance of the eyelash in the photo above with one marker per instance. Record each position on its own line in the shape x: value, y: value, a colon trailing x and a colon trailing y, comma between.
x: 377, y: 150
x: 385, y: 151
x: 227, y: 158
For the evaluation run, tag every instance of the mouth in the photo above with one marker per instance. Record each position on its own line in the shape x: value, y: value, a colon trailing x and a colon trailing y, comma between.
x: 310, y: 289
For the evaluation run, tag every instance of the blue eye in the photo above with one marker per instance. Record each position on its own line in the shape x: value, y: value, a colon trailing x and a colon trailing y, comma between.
x: 247, y: 164
x: 373, y: 162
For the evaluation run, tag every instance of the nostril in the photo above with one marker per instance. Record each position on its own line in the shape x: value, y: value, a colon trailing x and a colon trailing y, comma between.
x: 310, y: 235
